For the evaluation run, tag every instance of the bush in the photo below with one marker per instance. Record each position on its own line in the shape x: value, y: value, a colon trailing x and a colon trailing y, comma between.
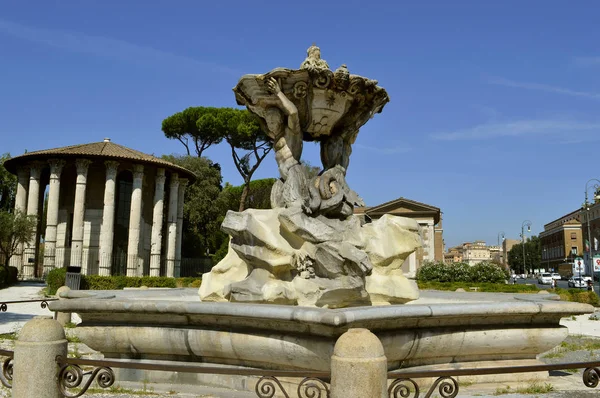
x: 483, y: 287
x: 56, y: 279
x: 13, y: 275
x: 578, y: 296
x: 483, y: 272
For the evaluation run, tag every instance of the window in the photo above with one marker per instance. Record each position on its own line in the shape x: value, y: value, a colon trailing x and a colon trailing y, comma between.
x: 573, y: 236
x: 574, y: 250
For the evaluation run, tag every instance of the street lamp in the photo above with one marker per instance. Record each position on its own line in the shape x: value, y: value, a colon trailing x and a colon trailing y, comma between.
x: 499, y: 248
x: 586, y: 205
x: 528, y: 223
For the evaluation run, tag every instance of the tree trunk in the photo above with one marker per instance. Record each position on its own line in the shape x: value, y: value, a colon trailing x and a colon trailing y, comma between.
x: 244, y: 196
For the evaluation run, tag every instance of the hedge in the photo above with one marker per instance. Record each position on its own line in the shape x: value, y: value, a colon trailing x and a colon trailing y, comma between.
x: 56, y: 279
x: 482, y: 287
x: 13, y: 273
x: 578, y: 296
x: 484, y: 272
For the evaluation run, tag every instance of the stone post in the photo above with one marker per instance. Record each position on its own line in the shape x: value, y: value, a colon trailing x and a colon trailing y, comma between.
x: 20, y: 205
x: 157, y: 222
x: 78, y: 215
x: 108, y: 219
x: 135, y: 220
x: 358, y: 366
x: 180, y: 199
x: 33, y: 200
x: 35, y: 367
x: 172, y: 224
x: 63, y: 317
x: 56, y: 166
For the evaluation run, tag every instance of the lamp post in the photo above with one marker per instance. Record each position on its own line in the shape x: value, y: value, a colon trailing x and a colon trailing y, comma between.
x: 499, y: 248
x: 586, y: 205
x: 528, y: 223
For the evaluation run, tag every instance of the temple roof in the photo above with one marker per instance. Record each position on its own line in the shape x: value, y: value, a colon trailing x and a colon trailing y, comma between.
x: 104, y: 149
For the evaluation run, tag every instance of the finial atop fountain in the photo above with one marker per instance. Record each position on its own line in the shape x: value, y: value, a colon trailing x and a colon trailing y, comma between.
x: 313, y: 59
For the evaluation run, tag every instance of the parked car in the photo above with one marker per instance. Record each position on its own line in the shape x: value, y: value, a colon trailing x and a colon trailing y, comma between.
x: 577, y: 282
x: 545, y: 278
x: 556, y: 276
x: 586, y: 278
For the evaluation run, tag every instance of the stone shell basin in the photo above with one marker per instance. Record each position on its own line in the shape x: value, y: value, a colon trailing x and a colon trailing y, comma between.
x: 438, y: 328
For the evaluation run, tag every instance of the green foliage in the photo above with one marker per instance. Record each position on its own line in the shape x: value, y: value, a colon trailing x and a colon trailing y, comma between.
x: 15, y: 229
x: 259, y: 197
x: 578, y: 296
x: 482, y: 287
x: 201, y: 125
x: 205, y: 126
x: 8, y: 186
x: 56, y: 279
x: 533, y: 256
x: 311, y: 171
x: 484, y: 272
x: 222, y: 252
x: 201, y: 210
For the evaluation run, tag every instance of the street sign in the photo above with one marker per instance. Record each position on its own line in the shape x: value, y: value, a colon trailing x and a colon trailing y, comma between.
x: 578, y: 266
x: 596, y: 262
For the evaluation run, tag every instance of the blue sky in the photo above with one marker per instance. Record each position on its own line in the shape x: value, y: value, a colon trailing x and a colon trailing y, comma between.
x: 494, y: 105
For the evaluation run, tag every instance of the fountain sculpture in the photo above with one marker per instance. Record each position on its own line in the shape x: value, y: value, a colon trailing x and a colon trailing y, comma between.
x: 301, y: 274
x: 310, y: 249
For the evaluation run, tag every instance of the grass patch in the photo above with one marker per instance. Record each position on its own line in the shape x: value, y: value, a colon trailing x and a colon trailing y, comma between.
x: 483, y: 287
x: 119, y: 390
x: 534, y: 388
x: 8, y: 336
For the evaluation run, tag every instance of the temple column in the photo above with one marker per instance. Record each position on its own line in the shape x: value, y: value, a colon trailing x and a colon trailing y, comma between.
x: 135, y: 218
x: 78, y: 215
x: 33, y: 205
x: 157, y: 222
x: 56, y: 166
x: 180, y: 198
x: 22, y: 187
x: 172, y: 225
x: 108, y: 219
x: 20, y: 206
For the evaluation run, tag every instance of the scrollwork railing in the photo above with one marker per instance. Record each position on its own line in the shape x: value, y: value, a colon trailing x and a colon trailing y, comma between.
x: 71, y: 376
x: 591, y: 377
x: 309, y: 387
x: 7, y: 368
x: 43, y: 303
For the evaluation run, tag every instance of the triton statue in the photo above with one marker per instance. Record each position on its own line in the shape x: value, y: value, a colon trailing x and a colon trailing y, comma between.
x: 310, y: 249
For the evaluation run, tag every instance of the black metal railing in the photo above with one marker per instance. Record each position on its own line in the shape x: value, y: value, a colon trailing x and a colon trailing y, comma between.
x: 43, y: 303
x: 313, y: 384
x: 7, y: 368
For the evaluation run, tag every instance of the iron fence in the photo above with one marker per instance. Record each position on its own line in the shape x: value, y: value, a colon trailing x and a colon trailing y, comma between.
x: 43, y: 303
x: 313, y: 384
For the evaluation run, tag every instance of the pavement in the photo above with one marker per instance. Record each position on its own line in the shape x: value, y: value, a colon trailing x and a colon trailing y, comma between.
x: 583, y: 329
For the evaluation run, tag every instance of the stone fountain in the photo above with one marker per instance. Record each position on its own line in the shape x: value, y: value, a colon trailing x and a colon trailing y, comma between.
x: 301, y: 274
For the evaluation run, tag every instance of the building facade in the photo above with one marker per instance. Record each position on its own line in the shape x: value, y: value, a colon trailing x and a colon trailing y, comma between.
x: 110, y: 210
x: 429, y: 219
x: 562, y: 240
x: 475, y: 252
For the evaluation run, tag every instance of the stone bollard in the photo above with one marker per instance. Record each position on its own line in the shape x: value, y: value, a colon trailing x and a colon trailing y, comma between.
x: 63, y: 317
x: 358, y: 366
x: 35, y: 368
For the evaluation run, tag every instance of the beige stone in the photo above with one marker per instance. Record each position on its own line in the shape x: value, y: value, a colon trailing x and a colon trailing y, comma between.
x: 35, y: 367
x: 358, y: 366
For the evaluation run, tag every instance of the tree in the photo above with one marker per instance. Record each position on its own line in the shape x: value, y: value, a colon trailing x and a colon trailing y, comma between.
x: 8, y: 186
x: 15, y: 230
x: 201, y: 211
x: 259, y: 198
x: 198, y: 124
x: 206, y: 126
x: 245, y: 133
x: 533, y: 255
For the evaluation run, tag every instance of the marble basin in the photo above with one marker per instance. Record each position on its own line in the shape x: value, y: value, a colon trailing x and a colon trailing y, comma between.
x: 438, y: 328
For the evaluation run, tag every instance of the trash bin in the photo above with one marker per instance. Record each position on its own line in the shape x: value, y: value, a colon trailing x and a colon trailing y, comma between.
x: 73, y: 278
